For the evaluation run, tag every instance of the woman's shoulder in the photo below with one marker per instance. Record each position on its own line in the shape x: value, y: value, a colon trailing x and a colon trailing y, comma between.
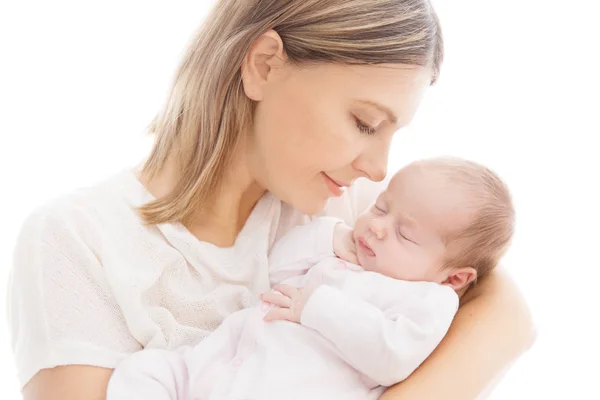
x: 73, y: 234
x: 84, y: 209
x: 59, y: 288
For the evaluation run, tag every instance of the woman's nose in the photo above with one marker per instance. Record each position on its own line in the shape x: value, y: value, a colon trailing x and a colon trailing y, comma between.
x: 373, y: 162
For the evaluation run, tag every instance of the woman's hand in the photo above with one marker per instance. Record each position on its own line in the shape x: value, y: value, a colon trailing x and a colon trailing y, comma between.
x: 343, y: 243
x: 491, y: 330
x: 289, y: 302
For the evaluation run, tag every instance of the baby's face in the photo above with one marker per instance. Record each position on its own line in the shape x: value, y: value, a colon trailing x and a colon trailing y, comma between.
x: 401, y: 235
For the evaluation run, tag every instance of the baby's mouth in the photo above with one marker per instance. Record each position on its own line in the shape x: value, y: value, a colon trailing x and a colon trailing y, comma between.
x: 364, y: 246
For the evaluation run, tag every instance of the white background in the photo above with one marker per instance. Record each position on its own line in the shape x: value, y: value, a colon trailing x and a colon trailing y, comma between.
x: 519, y: 91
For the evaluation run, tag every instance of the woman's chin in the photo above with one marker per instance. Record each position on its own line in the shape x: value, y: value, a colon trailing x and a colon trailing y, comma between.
x: 310, y: 205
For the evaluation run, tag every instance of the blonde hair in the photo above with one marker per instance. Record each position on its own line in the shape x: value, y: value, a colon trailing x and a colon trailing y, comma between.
x: 207, y: 110
x: 483, y: 241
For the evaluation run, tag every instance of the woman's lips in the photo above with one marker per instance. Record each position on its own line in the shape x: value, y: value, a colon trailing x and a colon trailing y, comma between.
x: 336, y: 188
x: 364, y: 246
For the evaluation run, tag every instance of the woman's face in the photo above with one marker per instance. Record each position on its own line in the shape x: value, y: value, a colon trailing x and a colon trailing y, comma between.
x: 317, y: 128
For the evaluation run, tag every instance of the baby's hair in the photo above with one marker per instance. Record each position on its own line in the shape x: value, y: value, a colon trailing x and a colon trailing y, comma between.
x: 483, y: 241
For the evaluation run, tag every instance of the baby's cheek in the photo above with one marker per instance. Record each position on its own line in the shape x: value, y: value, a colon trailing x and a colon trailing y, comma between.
x: 388, y: 261
x: 398, y: 266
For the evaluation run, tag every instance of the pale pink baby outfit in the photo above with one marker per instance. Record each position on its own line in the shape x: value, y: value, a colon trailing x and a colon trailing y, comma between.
x: 360, y: 332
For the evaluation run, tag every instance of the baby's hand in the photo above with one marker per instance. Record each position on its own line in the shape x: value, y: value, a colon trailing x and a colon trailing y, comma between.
x: 343, y: 243
x: 289, y: 302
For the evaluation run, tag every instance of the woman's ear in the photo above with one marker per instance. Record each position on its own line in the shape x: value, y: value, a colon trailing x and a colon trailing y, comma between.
x: 461, y: 277
x: 266, y: 53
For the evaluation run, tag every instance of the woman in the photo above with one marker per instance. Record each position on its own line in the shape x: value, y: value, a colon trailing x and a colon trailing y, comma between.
x: 276, y: 109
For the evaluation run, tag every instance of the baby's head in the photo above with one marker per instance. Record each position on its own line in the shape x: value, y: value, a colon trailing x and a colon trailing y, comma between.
x: 444, y: 220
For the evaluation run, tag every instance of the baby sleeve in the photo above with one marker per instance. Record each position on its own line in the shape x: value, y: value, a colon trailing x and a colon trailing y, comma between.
x: 388, y: 330
x: 301, y: 248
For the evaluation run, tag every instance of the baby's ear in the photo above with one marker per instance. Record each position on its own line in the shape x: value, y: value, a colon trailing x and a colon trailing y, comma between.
x: 460, y: 277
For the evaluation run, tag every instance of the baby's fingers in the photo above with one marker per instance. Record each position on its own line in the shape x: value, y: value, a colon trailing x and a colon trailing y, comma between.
x: 277, y: 299
x: 279, y: 314
x: 287, y: 290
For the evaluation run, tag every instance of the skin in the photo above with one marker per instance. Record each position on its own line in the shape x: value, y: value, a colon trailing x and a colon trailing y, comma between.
x: 402, y: 234
x: 307, y: 123
x: 305, y: 128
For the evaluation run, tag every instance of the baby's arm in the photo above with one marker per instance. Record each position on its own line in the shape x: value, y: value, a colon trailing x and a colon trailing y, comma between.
x: 151, y: 374
x: 387, y: 334
x: 182, y: 374
x: 301, y: 248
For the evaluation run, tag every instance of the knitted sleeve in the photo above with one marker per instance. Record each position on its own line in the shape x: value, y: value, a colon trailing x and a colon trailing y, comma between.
x: 60, y: 309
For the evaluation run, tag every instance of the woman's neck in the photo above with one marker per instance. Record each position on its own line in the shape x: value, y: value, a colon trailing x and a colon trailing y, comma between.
x: 221, y: 222
x: 227, y: 211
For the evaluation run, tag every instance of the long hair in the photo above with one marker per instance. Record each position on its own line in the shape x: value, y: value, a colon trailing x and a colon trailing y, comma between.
x: 207, y: 109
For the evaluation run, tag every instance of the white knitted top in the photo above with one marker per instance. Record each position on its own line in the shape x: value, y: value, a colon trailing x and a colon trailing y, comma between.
x: 91, y: 284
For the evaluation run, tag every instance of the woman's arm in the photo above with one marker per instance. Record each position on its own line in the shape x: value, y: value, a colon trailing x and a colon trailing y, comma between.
x: 80, y: 382
x: 492, y: 328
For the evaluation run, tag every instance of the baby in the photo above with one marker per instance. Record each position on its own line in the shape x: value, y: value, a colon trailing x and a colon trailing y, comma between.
x: 353, y: 310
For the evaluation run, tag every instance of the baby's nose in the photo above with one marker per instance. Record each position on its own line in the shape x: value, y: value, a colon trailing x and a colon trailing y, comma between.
x: 378, y: 229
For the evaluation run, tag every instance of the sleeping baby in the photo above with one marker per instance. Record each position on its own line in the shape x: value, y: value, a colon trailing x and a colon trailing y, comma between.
x: 352, y: 311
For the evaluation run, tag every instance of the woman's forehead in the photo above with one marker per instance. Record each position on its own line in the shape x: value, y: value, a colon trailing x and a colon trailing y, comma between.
x: 395, y: 89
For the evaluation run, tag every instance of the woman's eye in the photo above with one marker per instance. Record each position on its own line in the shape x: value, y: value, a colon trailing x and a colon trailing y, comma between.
x: 364, y: 128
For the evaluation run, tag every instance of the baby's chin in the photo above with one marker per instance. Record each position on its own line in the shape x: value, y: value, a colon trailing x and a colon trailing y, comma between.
x: 365, y: 263
x: 368, y: 268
